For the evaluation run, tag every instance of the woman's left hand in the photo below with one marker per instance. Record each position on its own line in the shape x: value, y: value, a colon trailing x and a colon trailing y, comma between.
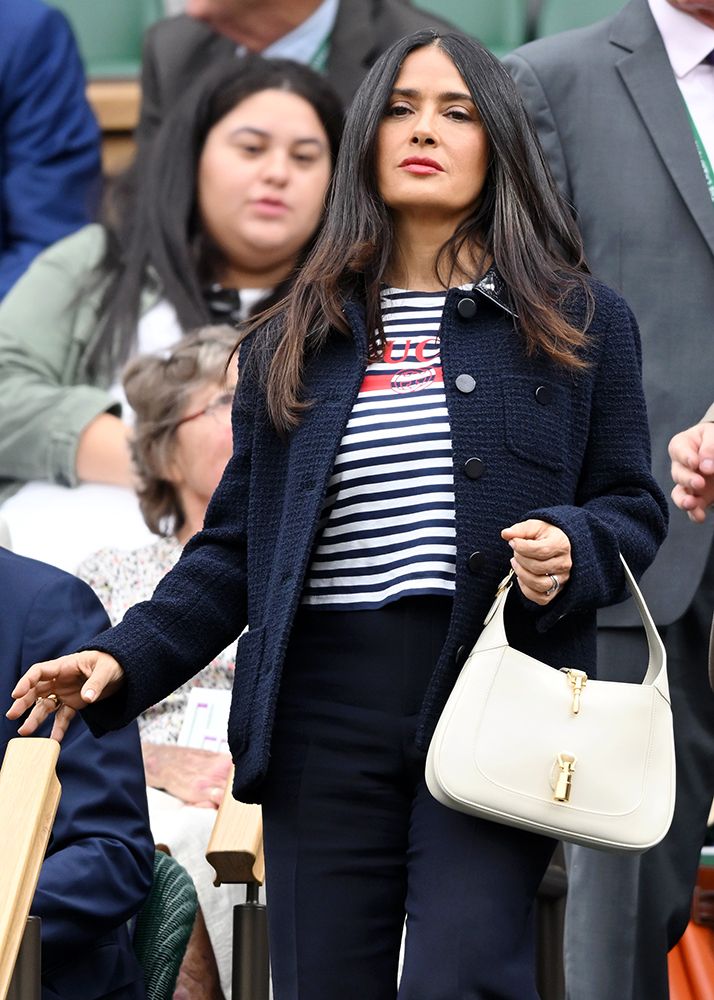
x: 541, y: 558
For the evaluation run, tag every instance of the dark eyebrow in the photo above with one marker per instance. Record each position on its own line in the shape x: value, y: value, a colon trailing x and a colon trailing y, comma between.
x: 449, y: 95
x: 263, y: 134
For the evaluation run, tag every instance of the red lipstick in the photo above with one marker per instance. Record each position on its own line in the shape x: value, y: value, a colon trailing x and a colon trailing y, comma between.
x: 421, y: 165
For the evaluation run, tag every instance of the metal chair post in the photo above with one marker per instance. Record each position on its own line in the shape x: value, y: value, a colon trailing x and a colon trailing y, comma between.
x: 26, y: 979
x: 235, y: 850
x: 251, y: 963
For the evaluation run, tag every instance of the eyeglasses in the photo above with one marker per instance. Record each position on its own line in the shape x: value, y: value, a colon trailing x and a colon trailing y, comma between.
x: 219, y: 409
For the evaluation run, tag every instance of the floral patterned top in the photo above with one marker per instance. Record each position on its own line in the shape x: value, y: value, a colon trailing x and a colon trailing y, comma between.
x: 121, y: 579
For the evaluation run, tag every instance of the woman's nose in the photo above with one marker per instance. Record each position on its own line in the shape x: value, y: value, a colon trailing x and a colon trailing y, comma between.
x: 424, y: 133
x: 423, y: 138
x: 277, y: 168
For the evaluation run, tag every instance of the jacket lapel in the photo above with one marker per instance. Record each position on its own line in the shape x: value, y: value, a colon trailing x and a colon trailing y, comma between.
x: 646, y: 72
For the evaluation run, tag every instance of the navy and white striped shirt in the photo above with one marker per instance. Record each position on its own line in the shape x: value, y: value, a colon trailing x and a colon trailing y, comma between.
x: 387, y: 526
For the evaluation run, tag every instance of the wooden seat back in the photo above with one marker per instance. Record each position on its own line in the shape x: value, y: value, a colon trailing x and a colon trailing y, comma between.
x: 29, y: 794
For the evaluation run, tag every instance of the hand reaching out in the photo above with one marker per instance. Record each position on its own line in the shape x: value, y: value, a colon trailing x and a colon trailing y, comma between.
x: 541, y: 558
x: 64, y: 686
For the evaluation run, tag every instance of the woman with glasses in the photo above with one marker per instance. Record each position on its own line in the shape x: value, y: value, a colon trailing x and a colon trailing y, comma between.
x: 180, y: 445
x: 210, y: 225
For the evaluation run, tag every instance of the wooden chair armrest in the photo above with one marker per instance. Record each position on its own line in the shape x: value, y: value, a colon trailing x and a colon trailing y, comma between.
x: 29, y: 794
x: 235, y: 847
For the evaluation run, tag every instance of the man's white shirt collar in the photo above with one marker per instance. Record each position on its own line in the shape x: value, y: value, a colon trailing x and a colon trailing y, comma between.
x: 303, y: 42
x: 686, y: 40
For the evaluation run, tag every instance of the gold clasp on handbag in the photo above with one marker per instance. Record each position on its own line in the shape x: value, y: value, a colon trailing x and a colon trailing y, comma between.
x: 578, y: 679
x: 565, y: 762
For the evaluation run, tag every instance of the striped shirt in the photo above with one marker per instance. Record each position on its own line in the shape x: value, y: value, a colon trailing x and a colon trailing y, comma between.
x: 387, y: 527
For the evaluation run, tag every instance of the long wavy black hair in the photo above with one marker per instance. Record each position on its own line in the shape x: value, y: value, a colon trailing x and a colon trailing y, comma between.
x: 152, y: 220
x: 519, y: 221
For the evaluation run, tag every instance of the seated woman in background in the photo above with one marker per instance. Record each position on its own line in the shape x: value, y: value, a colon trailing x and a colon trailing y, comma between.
x: 209, y: 227
x: 180, y: 445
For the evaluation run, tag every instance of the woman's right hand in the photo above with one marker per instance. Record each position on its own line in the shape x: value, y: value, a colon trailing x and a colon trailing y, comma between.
x: 64, y: 686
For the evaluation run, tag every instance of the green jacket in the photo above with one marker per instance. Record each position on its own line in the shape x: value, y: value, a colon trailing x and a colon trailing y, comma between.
x: 48, y: 322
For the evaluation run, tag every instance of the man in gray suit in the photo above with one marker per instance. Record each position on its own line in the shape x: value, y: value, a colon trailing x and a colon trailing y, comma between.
x: 614, y: 105
x: 340, y: 37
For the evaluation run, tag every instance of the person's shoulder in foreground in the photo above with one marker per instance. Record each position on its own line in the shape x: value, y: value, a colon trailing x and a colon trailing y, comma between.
x: 99, y: 864
x: 572, y: 49
x: 50, y: 171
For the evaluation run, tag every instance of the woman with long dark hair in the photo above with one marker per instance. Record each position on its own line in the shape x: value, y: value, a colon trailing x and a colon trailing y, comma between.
x: 444, y: 394
x: 210, y: 225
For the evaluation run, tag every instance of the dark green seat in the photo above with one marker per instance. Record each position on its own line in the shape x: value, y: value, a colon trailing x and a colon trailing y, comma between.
x: 164, y: 926
x: 562, y: 15
x: 110, y: 33
x: 500, y: 25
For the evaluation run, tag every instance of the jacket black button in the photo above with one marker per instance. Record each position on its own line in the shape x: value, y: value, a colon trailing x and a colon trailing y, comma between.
x: 461, y: 654
x: 465, y: 383
x: 476, y: 561
x: 466, y: 308
x: 544, y: 394
x: 474, y: 468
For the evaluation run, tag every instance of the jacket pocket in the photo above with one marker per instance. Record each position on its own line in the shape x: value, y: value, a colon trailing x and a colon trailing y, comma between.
x: 249, y: 658
x: 537, y: 418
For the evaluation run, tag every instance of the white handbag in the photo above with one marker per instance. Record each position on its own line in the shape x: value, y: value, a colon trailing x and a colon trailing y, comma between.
x: 554, y: 752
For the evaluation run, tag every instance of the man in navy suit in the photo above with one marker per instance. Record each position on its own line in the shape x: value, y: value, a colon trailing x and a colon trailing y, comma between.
x: 99, y: 864
x: 50, y: 166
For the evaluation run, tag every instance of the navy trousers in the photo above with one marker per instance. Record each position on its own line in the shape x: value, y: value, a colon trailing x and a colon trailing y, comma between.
x: 355, y: 843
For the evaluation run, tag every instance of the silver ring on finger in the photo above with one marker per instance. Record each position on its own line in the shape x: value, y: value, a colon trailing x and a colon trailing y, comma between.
x: 555, y: 587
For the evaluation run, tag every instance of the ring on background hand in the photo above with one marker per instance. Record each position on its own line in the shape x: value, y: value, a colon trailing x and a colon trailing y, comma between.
x: 556, y: 585
x: 57, y: 702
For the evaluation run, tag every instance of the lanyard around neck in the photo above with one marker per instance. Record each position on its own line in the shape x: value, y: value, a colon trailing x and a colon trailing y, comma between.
x: 703, y: 157
x: 319, y: 60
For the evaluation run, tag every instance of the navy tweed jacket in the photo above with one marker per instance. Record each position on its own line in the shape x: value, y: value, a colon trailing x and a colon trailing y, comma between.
x: 570, y: 448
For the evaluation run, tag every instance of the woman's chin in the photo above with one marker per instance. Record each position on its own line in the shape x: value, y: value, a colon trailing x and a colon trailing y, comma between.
x: 266, y: 250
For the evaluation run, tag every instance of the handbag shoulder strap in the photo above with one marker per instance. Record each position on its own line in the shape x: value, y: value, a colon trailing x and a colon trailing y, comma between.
x: 494, y: 631
x: 657, y: 666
